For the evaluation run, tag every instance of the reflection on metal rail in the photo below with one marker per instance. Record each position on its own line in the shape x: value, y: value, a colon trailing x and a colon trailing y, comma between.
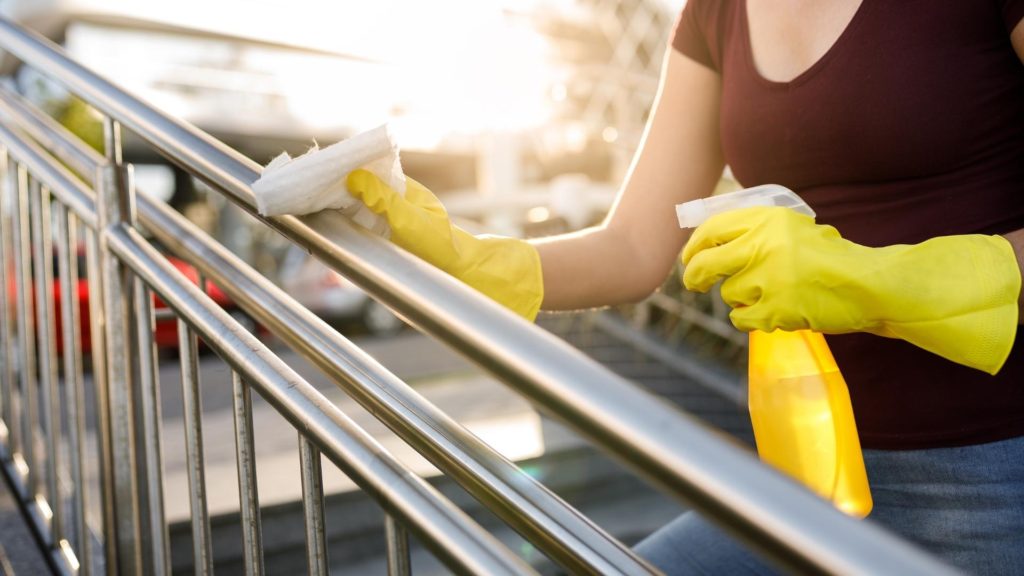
x: 671, y: 449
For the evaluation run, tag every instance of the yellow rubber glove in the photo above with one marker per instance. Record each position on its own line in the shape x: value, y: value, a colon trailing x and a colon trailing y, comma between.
x: 955, y: 296
x: 507, y: 270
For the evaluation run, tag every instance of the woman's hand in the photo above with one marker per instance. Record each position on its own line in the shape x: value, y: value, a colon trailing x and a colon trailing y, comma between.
x: 955, y: 296
x: 505, y: 269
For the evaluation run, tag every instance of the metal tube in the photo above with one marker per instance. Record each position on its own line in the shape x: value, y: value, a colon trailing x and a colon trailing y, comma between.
x: 457, y: 541
x: 553, y: 526
x: 161, y: 314
x: 67, y: 243
x: 313, y: 508
x: 202, y: 555
x: 769, y: 511
x: 26, y: 341
x: 45, y: 509
x: 97, y: 337
x: 71, y: 192
x: 8, y: 181
x: 44, y: 125
x: 6, y: 370
x: 114, y: 207
x: 60, y: 143
x: 248, y: 494
x: 200, y: 150
x: 398, y: 547
x: 42, y: 242
x: 142, y: 392
x: 542, y: 517
x: 68, y: 189
x: 5, y: 309
x: 156, y: 550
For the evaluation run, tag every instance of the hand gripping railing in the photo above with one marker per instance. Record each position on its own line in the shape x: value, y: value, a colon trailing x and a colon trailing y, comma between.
x: 770, y: 512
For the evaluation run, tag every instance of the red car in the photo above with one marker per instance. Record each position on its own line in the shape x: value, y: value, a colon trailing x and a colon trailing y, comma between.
x: 166, y: 332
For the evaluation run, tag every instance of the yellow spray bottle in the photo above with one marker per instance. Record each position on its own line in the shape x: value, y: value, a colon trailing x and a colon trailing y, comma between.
x: 799, y: 404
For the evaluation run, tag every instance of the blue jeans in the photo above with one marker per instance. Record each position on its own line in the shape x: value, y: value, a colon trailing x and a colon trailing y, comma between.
x: 964, y: 504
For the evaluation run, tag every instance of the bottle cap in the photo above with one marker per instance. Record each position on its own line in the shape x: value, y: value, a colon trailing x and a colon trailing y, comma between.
x: 691, y: 214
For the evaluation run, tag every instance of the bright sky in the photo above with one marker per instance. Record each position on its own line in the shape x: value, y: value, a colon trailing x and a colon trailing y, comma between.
x: 462, y: 65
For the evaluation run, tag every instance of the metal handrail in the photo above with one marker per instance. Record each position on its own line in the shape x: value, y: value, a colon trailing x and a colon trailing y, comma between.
x: 541, y: 516
x: 769, y: 511
x: 448, y: 531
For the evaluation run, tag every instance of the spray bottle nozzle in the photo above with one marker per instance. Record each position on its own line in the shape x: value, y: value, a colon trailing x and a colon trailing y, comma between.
x: 693, y: 213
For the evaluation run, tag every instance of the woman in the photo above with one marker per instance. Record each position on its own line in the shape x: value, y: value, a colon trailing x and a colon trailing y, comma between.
x: 902, y: 125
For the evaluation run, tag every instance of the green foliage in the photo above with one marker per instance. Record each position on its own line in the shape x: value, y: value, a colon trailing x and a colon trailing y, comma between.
x: 82, y: 120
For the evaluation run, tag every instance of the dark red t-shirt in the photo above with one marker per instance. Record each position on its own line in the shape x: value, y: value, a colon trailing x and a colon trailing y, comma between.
x: 911, y: 126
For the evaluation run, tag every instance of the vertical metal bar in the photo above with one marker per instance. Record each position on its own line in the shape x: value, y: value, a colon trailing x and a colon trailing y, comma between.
x: 5, y: 309
x: 115, y: 206
x: 42, y: 242
x: 313, y: 507
x: 132, y: 383
x: 8, y: 183
x: 248, y: 495
x: 67, y: 247
x: 26, y: 343
x: 202, y: 556
x: 398, y: 547
x: 155, y: 546
x: 98, y: 340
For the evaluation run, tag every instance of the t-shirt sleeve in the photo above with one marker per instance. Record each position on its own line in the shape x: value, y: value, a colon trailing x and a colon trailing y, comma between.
x: 688, y: 37
x: 1013, y: 13
x: 701, y: 29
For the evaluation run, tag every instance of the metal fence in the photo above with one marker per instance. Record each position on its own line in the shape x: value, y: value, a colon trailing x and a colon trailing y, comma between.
x: 60, y: 197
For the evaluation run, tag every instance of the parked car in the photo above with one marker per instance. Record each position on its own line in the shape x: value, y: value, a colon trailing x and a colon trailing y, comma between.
x: 330, y: 296
x: 166, y: 328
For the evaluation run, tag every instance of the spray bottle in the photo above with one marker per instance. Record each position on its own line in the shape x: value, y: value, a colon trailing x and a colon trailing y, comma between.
x: 799, y: 404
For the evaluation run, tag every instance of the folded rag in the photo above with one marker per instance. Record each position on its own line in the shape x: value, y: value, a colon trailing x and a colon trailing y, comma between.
x: 315, y: 181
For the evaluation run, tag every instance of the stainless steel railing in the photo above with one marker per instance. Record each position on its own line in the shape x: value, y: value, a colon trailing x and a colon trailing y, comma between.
x: 527, y: 505
x: 323, y: 428
x: 671, y: 449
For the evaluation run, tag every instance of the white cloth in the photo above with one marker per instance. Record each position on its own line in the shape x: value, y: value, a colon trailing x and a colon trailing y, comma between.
x: 315, y: 181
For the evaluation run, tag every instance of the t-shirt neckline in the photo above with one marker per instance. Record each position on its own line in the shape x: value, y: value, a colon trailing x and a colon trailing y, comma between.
x: 812, y: 70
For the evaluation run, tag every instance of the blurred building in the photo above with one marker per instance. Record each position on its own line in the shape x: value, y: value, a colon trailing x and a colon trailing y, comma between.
x: 522, y: 112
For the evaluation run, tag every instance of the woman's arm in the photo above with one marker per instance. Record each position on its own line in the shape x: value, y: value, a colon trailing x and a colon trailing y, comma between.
x: 629, y: 255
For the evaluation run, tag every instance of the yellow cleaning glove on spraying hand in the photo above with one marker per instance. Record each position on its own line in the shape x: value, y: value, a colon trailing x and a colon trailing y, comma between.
x: 507, y: 270
x: 955, y: 296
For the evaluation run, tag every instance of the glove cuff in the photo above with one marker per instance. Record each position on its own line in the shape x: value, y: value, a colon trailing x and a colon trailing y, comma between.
x: 999, y: 274
x: 507, y: 270
x: 981, y: 333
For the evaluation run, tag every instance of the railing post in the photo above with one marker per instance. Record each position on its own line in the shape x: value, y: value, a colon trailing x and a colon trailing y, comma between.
x: 313, y: 506
x: 202, y: 550
x: 156, y: 550
x: 115, y: 205
x: 98, y: 343
x: 248, y: 494
x: 398, y: 560
x: 11, y: 437
x: 140, y: 530
x: 42, y: 248
x: 74, y: 394
x: 26, y: 464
